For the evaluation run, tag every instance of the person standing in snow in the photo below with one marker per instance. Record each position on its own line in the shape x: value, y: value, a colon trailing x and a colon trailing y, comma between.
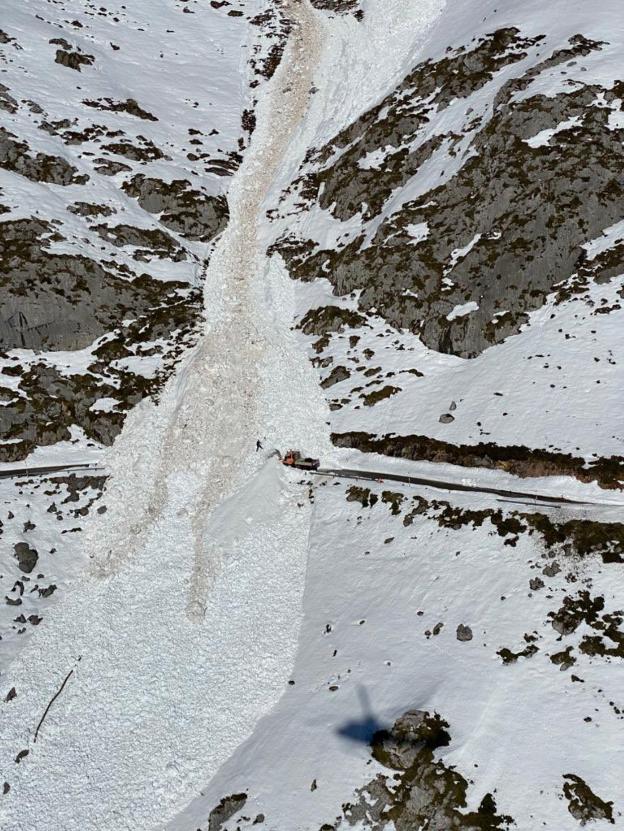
x: 258, y: 445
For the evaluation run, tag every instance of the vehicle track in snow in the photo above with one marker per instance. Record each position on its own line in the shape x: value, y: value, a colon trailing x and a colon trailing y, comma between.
x: 214, y: 424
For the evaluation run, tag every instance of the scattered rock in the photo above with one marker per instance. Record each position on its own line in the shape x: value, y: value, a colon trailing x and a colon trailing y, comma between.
x: 583, y: 803
x: 225, y: 810
x: 129, y: 106
x: 26, y: 556
x: 464, y: 633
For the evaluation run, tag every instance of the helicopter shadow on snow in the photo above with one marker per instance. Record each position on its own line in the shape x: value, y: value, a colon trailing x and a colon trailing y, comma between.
x: 362, y: 730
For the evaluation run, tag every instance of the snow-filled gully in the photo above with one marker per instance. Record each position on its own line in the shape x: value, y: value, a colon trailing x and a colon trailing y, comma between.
x: 184, y: 632
x: 221, y: 379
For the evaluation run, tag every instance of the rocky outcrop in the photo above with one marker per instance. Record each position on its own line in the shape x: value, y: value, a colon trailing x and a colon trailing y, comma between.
x: 151, y: 241
x: 61, y: 301
x: 71, y: 56
x: 26, y: 556
x: 337, y: 6
x: 15, y: 156
x: 184, y: 210
x: 226, y: 809
x: 517, y: 459
x: 48, y: 402
x: 538, y: 180
x: 90, y: 209
x: 7, y: 102
x: 129, y: 106
x: 583, y: 803
x: 422, y: 791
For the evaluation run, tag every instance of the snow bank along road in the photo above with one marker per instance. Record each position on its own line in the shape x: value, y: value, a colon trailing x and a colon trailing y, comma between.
x: 355, y: 473
x: 185, y: 632
x: 424, y: 481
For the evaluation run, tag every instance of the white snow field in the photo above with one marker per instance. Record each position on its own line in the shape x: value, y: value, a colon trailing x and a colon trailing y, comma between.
x: 188, y: 74
x: 229, y: 634
x: 367, y: 653
x: 384, y: 598
x: 184, y: 633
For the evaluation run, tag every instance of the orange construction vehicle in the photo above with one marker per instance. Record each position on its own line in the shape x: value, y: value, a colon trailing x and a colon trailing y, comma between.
x: 293, y: 458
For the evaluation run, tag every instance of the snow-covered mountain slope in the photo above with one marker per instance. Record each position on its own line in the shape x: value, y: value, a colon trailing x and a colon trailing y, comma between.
x: 416, y: 272
x: 120, y: 131
x: 474, y: 212
x: 116, y: 152
x: 460, y: 297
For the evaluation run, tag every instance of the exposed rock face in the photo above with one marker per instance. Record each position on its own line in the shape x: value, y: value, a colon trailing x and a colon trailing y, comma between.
x: 90, y: 209
x: 14, y: 155
x: 607, y: 637
x: 129, y: 106
x: 184, y: 210
x: 583, y: 803
x: 154, y: 241
x: 339, y: 6
x: 423, y: 792
x: 65, y: 302
x: 26, y: 556
x: 228, y: 806
x: 69, y: 56
x: 60, y: 301
x: 516, y: 459
x: 323, y: 319
x: 141, y: 150
x: 504, y: 230
x: 7, y: 102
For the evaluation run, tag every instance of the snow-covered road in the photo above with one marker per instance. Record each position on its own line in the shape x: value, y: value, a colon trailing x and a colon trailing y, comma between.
x: 184, y: 633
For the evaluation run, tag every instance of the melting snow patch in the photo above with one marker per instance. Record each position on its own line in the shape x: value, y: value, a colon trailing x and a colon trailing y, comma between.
x: 616, y: 120
x: 104, y: 405
x: 462, y: 310
x: 145, y: 365
x: 375, y: 159
x: 459, y: 253
x: 542, y: 138
x: 418, y: 232
x: 610, y: 235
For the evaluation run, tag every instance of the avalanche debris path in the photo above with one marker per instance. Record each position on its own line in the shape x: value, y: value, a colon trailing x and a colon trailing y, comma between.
x: 187, y: 624
x: 223, y: 369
